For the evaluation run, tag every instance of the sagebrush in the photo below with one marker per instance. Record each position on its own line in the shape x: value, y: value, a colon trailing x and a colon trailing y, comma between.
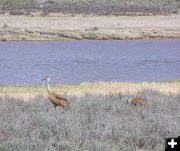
x: 98, y: 7
x: 93, y: 122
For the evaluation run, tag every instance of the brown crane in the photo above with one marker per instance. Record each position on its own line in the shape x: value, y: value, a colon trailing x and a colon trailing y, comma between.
x: 141, y: 101
x: 55, y: 98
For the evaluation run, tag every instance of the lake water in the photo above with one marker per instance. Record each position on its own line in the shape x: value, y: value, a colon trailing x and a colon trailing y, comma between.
x: 89, y: 60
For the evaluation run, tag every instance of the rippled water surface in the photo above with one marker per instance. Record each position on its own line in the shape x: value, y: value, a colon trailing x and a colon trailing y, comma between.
x: 78, y: 61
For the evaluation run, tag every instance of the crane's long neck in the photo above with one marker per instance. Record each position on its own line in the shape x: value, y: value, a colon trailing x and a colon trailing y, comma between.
x: 48, y: 87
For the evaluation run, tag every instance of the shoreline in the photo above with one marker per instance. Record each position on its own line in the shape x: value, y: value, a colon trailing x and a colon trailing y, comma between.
x: 68, y: 39
x: 80, y: 27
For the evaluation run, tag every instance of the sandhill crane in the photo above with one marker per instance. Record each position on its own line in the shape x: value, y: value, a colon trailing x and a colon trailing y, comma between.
x: 141, y: 101
x: 55, y: 98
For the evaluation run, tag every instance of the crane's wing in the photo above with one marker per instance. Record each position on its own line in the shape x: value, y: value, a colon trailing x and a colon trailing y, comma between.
x: 58, y: 100
x: 58, y: 96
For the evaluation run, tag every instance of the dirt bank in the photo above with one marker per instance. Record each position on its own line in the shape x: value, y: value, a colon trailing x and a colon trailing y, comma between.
x: 63, y: 27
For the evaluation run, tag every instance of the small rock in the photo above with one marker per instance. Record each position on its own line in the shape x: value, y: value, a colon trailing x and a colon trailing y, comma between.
x: 4, y: 39
x: 23, y: 38
x: 5, y: 25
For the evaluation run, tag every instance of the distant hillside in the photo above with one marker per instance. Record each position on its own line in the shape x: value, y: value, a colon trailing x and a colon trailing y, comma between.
x: 97, y: 7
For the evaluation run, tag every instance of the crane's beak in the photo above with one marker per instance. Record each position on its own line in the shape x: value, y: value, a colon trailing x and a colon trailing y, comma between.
x: 43, y: 79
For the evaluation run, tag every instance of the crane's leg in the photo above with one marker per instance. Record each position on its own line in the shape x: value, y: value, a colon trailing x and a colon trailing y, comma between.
x: 54, y: 105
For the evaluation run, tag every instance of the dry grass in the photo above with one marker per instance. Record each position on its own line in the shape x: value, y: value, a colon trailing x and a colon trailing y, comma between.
x: 99, y: 88
x: 99, y: 117
x: 88, y: 27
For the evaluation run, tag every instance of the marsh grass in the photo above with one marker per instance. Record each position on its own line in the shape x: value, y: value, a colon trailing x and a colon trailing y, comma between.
x: 94, y: 121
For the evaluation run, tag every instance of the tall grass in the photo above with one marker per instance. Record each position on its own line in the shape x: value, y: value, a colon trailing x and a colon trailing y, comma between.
x: 93, y: 122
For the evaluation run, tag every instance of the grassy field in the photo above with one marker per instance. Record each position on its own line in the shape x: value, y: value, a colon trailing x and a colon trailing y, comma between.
x: 99, y: 117
x: 97, y: 7
x: 66, y: 27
